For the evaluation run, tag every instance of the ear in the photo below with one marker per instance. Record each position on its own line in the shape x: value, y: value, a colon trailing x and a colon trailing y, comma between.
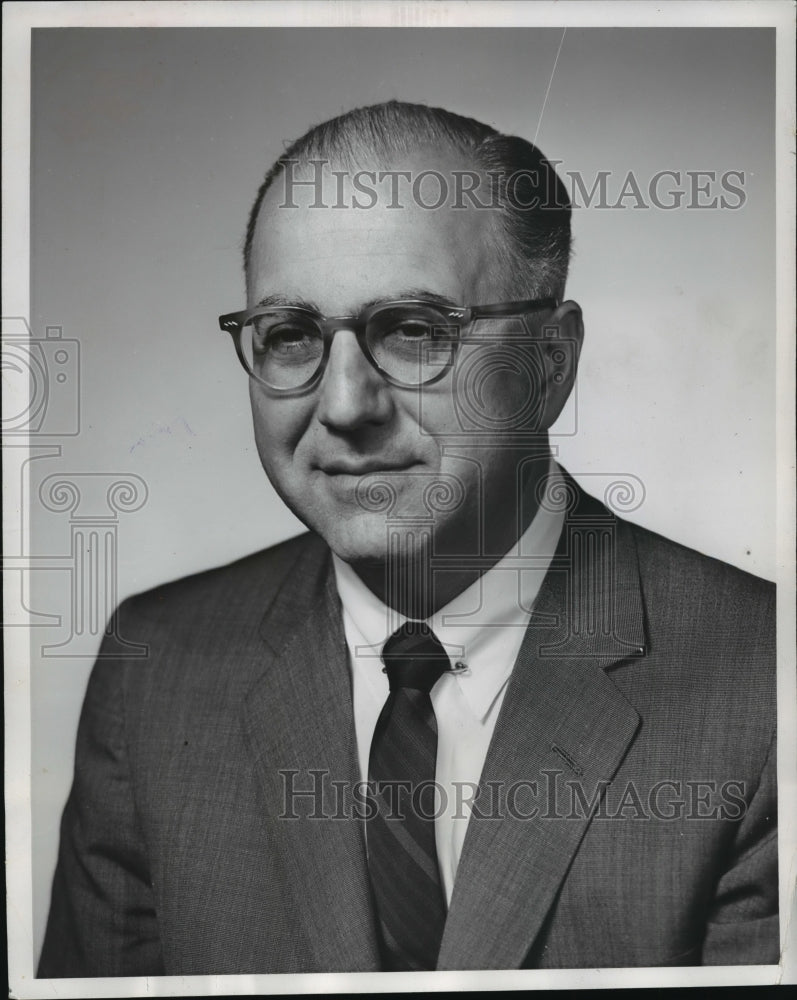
x: 561, y: 340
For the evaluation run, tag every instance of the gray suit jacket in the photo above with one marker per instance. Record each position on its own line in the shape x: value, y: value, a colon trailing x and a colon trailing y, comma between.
x: 638, y: 723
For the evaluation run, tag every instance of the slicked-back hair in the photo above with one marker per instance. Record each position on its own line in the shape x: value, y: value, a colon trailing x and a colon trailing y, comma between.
x: 531, y: 202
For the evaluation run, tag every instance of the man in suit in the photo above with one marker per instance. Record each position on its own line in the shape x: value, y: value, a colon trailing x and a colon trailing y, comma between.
x: 568, y: 758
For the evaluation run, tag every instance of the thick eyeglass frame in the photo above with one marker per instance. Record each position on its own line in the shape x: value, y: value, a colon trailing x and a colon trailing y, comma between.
x: 459, y: 317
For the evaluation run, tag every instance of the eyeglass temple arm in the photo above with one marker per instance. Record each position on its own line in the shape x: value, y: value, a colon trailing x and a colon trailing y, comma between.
x: 513, y: 308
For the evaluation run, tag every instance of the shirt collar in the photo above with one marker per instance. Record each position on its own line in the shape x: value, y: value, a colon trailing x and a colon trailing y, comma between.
x: 485, y: 624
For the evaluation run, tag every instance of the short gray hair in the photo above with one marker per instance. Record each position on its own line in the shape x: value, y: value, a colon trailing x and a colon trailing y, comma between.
x: 535, y: 254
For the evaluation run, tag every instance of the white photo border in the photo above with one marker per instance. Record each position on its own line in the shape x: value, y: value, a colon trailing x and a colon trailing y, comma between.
x: 19, y: 19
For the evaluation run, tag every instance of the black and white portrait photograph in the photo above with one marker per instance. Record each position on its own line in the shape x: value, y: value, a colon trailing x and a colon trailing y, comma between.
x: 398, y: 455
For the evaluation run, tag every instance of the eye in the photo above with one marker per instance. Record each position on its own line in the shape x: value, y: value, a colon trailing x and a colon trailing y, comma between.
x: 285, y: 338
x: 409, y: 329
x: 402, y: 323
x: 408, y: 342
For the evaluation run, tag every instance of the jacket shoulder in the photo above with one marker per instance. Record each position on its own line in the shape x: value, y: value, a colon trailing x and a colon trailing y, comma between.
x: 227, y: 593
x: 716, y: 614
x: 688, y: 571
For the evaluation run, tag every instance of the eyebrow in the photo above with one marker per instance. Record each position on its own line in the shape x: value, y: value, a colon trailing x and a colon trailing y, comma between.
x: 277, y: 299
x: 284, y: 300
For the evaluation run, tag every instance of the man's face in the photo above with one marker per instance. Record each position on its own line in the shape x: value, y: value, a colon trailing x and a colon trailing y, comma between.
x: 318, y: 446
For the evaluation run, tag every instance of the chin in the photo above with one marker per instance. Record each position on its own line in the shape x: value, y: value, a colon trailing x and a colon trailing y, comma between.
x: 371, y: 541
x: 356, y: 541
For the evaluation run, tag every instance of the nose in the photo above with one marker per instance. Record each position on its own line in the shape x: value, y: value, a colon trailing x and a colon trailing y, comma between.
x: 352, y: 393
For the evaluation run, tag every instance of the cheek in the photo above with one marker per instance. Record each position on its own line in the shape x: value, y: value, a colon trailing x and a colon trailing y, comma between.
x: 499, y: 388
x: 279, y: 424
x: 432, y: 416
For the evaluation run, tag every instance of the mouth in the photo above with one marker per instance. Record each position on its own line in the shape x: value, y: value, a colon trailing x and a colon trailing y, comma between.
x: 364, y: 467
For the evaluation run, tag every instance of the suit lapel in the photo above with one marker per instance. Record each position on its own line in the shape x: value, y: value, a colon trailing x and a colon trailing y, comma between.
x: 298, y: 719
x: 563, y: 726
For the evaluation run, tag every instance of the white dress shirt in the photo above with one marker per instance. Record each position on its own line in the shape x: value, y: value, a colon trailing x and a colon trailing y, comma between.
x: 482, y: 627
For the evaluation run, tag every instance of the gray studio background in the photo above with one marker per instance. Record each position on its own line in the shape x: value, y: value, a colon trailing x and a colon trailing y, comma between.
x: 147, y: 148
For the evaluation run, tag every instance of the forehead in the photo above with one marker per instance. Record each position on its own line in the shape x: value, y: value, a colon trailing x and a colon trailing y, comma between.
x: 347, y: 247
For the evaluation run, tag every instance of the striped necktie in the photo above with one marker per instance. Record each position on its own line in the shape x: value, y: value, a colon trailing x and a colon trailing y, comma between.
x: 402, y: 857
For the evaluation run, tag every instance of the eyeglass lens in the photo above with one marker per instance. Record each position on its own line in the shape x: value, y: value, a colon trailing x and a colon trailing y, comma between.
x: 411, y: 344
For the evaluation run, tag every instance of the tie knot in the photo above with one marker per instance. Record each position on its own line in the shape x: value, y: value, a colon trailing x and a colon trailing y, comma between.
x: 414, y: 657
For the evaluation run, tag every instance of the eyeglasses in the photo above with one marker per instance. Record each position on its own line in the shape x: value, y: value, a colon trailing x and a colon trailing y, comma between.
x: 411, y: 342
